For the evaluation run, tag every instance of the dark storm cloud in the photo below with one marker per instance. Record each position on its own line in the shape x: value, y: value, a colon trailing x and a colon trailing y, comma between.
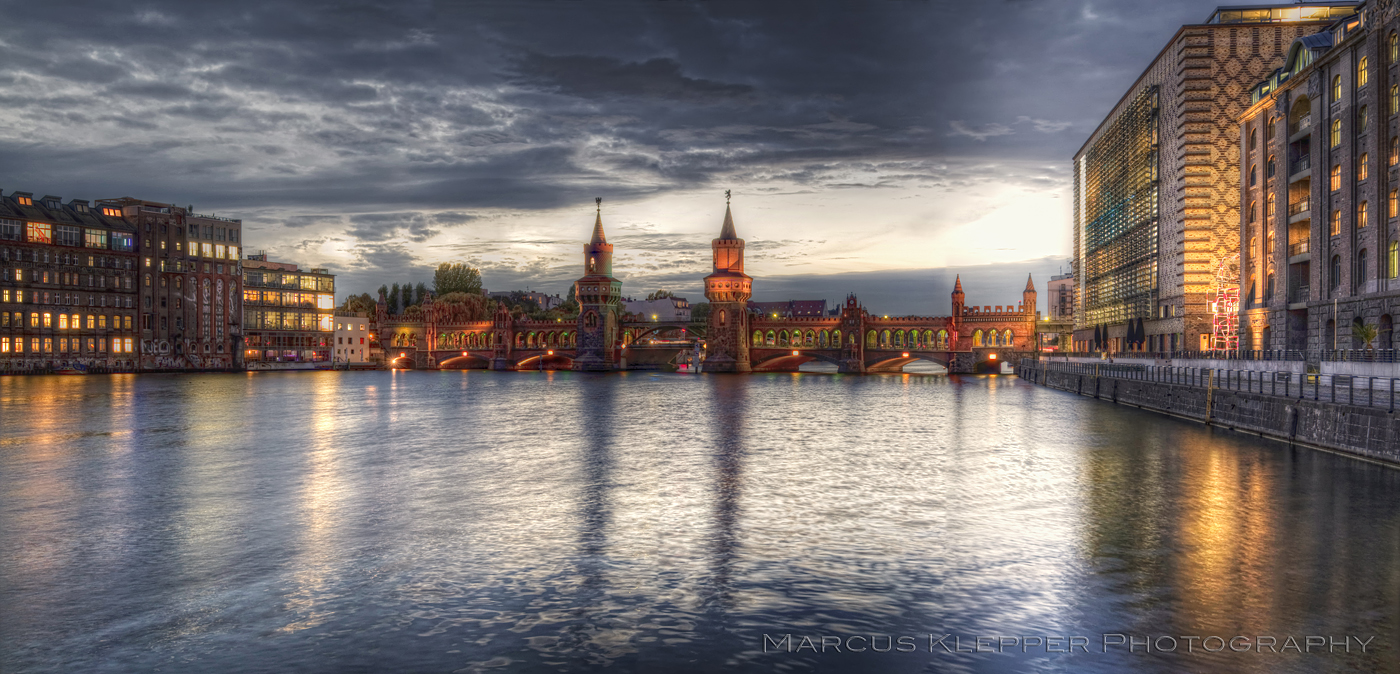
x: 387, y: 124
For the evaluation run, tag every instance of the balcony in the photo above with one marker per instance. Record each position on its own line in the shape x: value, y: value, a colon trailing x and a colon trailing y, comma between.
x: 1298, y: 207
x: 1296, y: 249
x: 1300, y: 165
x: 1303, y: 124
x: 1299, y: 294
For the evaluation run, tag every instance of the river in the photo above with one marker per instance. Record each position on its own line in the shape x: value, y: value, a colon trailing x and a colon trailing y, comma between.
x: 545, y: 522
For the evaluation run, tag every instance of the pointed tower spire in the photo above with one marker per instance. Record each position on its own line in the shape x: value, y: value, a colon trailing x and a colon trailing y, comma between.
x: 1030, y: 283
x: 726, y: 233
x: 957, y: 284
x: 598, y: 224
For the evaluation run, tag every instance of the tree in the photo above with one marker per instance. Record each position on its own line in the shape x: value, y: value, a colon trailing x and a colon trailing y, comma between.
x: 700, y: 313
x: 456, y: 278
x: 1364, y: 333
x: 573, y: 294
x: 660, y: 295
x: 362, y: 303
x: 406, y: 290
x: 420, y: 292
x: 468, y: 306
x: 393, y: 300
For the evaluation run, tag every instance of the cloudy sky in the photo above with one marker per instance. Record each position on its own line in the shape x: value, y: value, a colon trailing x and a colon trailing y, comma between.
x: 878, y: 147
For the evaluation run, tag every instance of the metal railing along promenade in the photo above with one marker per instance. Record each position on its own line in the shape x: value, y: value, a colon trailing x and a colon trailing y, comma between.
x: 1331, y: 388
x: 1327, y: 356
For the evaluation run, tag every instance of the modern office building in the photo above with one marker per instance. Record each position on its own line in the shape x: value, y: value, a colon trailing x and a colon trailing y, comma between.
x: 1156, y: 186
x: 352, y: 337
x: 67, y: 286
x: 190, y: 306
x: 288, y: 314
x: 1320, y: 180
x: 1059, y: 298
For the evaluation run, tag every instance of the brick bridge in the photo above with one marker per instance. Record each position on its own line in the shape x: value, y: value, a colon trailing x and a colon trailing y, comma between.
x: 735, y: 339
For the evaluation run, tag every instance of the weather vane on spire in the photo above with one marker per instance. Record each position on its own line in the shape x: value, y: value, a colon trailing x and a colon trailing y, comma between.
x: 726, y: 197
x: 599, y: 201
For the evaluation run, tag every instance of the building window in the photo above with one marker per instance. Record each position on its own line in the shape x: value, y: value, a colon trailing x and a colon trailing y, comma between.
x: 1362, y: 118
x: 1361, y: 265
x: 1361, y: 76
x: 1361, y: 166
x: 40, y: 232
x: 1271, y: 243
x: 1394, y: 98
x: 1269, y: 167
x: 1253, y: 175
x: 1394, y: 150
x: 1253, y: 140
x: 1269, y: 130
x: 1336, y: 271
x: 1394, y: 270
x: 1269, y: 208
x: 1361, y: 215
x: 1336, y: 88
x: 1335, y: 224
x: 1336, y: 133
x: 1252, y: 206
x: 1393, y: 205
x: 1336, y: 178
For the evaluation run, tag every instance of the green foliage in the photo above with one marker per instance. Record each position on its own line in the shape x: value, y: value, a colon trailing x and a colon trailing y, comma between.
x: 406, y: 292
x: 393, y: 300
x: 660, y: 295
x: 456, y: 277
x: 420, y: 292
x: 1365, y: 333
x: 360, y: 303
x: 472, y: 306
x: 573, y: 294
x: 700, y: 313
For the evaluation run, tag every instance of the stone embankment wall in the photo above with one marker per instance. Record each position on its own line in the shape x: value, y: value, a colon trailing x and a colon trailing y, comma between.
x: 1369, y: 432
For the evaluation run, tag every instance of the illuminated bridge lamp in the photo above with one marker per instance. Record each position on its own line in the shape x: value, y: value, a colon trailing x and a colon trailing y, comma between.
x: 794, y: 353
x: 906, y: 354
x: 464, y: 353
x: 993, y: 356
x: 549, y: 353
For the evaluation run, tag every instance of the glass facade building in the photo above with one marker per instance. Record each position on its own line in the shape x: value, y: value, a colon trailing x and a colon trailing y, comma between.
x: 288, y: 313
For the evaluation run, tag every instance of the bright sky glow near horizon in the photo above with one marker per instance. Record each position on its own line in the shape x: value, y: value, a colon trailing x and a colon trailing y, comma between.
x: 871, y: 147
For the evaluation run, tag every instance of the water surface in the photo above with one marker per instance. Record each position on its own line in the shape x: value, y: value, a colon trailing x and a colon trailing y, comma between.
x: 545, y: 522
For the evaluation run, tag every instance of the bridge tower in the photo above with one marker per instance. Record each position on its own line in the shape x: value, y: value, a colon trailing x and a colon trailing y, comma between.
x: 599, y: 298
x: 853, y: 336
x: 501, y: 329
x: 728, y: 289
x: 1028, y: 297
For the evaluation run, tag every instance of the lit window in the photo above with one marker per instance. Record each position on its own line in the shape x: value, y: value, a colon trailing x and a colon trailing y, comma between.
x: 1361, y: 166
x: 1394, y: 151
x: 1361, y: 76
x: 1394, y: 208
x: 48, y: 320
x: 1336, y: 88
x: 1361, y: 215
x: 48, y: 345
x: 26, y: 201
x: 1336, y: 180
x: 40, y: 232
x: 1335, y: 223
x: 1394, y: 257
x: 63, y: 321
x: 90, y: 321
x: 1252, y: 206
x: 1269, y: 209
x: 1336, y: 133
x: 1394, y: 44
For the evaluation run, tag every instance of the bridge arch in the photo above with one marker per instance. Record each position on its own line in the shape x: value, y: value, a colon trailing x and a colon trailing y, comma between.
x: 658, y: 329
x: 404, y: 362
x: 897, y: 363
x: 551, y: 362
x: 467, y: 362
x: 787, y: 362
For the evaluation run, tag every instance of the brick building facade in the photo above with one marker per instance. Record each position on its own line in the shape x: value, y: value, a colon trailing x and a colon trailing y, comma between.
x: 1156, y: 187
x: 1322, y: 140
x: 190, y: 308
x: 68, y: 287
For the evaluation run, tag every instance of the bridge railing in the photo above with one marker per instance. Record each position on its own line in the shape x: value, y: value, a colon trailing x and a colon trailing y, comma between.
x: 1327, y: 355
x: 1332, y: 388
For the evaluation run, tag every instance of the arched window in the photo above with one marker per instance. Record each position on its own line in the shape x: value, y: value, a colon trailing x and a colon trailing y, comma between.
x: 1362, y: 166
x: 1272, y: 244
x: 758, y: 338
x: 1394, y: 47
x: 1253, y: 140
x: 723, y: 317
x: 1363, y: 119
x: 942, y: 339
x: 824, y: 339
x: 898, y: 338
x: 1269, y: 167
x: 1269, y: 208
x: 977, y: 338
x: 884, y: 338
x: 1362, y: 77
x: 1253, y: 205
x: 1269, y: 285
x: 870, y: 339
x: 1336, y: 133
x: 1394, y: 256
x: 1336, y: 88
x: 1394, y: 150
x: 1335, y: 182
x: 1393, y: 205
x: 1361, y: 215
x: 590, y: 320
x: 1334, y: 223
x: 809, y: 339
x: 782, y: 338
x: 836, y: 338
x: 1253, y: 246
x: 1253, y: 175
x: 771, y: 338
x: 1336, y: 271
x: 1362, y: 270
x: 1269, y: 129
x: 519, y: 340
x: 1008, y: 338
x: 1394, y: 98
x: 928, y: 339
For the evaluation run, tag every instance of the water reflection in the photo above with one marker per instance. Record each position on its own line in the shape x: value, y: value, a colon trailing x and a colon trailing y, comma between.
x: 478, y: 521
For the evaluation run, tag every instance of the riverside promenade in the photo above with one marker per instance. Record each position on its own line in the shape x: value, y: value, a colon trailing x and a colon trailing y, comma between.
x: 1349, y: 414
